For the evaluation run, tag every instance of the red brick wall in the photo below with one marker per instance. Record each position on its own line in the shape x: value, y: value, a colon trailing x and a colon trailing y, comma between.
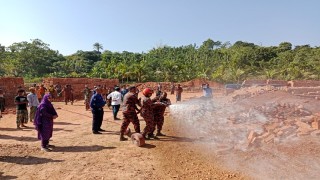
x: 193, y: 85
x: 79, y: 83
x: 277, y: 82
x: 254, y: 82
x: 10, y: 86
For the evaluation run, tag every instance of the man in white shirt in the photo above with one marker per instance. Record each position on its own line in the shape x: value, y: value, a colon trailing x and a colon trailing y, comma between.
x: 115, y: 102
x: 33, y: 103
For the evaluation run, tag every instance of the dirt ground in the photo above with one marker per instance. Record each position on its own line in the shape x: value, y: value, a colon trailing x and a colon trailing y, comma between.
x: 192, y: 149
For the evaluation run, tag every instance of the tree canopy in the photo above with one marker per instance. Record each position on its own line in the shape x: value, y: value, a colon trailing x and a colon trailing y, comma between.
x: 213, y: 60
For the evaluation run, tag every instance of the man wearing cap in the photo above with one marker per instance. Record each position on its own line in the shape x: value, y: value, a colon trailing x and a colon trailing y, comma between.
x: 96, y: 104
x: 115, y: 102
x: 129, y: 112
x: 33, y: 103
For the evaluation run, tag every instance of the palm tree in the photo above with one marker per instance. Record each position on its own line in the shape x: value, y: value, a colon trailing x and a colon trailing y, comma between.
x: 97, y: 46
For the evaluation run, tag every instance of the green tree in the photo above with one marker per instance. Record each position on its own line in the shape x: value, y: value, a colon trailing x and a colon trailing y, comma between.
x: 97, y: 46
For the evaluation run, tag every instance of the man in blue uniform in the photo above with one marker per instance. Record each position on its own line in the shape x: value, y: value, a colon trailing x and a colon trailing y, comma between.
x: 207, y: 91
x: 96, y: 104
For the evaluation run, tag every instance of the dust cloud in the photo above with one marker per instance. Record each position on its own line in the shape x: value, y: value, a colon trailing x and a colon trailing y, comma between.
x: 222, y: 127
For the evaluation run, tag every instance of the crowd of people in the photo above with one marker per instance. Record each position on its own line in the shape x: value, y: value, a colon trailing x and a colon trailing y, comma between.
x: 42, y: 113
x: 151, y: 109
x: 36, y: 106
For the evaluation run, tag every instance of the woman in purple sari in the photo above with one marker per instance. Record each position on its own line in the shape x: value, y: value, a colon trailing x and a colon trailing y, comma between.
x: 44, y: 121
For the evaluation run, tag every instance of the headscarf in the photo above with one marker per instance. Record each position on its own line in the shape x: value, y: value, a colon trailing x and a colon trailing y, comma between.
x: 45, y: 104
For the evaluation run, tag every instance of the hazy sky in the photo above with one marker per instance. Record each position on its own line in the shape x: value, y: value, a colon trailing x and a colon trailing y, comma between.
x: 140, y: 25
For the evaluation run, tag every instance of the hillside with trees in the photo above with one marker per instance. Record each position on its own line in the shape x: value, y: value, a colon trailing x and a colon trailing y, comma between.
x: 212, y: 60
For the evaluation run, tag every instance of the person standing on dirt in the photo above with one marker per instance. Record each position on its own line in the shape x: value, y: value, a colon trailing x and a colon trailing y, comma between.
x: 96, y: 104
x: 124, y: 91
x: 43, y: 121
x: 158, y: 111
x: 86, y: 93
x: 116, y: 101
x: 207, y: 91
x: 172, y: 88
x: 52, y: 91
x: 42, y: 90
x: 179, y: 91
x: 58, y: 89
x: 68, y: 94
x: 147, y: 113
x: 159, y: 90
x: 33, y: 103
x: 2, y: 102
x: 104, y: 92
x: 129, y: 111
x: 38, y: 93
x: 22, y: 111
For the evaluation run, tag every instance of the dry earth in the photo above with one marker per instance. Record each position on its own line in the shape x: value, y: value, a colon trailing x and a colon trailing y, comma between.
x: 201, y: 143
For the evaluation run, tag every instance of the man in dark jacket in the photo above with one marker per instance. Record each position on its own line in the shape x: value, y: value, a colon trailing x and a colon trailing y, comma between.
x: 96, y: 104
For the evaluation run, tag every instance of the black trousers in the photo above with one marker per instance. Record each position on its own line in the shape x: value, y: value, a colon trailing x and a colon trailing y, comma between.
x: 115, y: 109
x: 97, y: 119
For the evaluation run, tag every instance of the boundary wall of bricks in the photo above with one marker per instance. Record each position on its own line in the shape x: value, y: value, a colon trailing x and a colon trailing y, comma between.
x: 78, y: 84
x: 10, y: 87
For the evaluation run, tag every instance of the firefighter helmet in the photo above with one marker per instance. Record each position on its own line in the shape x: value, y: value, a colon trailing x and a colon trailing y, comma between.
x: 147, y: 91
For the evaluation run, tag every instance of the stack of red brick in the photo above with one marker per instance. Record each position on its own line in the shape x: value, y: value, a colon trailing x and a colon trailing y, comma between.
x: 307, y: 92
x: 10, y: 86
x: 304, y: 83
x: 274, y: 82
x: 196, y: 84
x: 258, y: 82
x: 78, y: 84
x: 288, y: 121
x: 154, y: 85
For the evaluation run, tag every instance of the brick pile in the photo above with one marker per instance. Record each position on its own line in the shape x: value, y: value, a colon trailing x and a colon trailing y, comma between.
x: 79, y: 83
x: 193, y: 85
x: 196, y: 84
x: 277, y: 83
x: 248, y: 92
x: 10, y: 86
x: 304, y: 83
x: 254, y: 82
x: 286, y: 121
x: 154, y: 85
x: 266, y: 84
x: 306, y: 92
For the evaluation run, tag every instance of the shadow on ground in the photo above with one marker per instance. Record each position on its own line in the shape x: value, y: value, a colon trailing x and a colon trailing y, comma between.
x: 15, y: 129
x: 26, y: 160
x: 64, y: 123
x: 177, y: 139
x: 7, y: 177
x: 80, y: 148
x: 22, y: 138
x: 148, y: 146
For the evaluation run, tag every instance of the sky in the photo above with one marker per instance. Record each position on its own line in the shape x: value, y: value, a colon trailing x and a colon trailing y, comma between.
x: 140, y: 25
